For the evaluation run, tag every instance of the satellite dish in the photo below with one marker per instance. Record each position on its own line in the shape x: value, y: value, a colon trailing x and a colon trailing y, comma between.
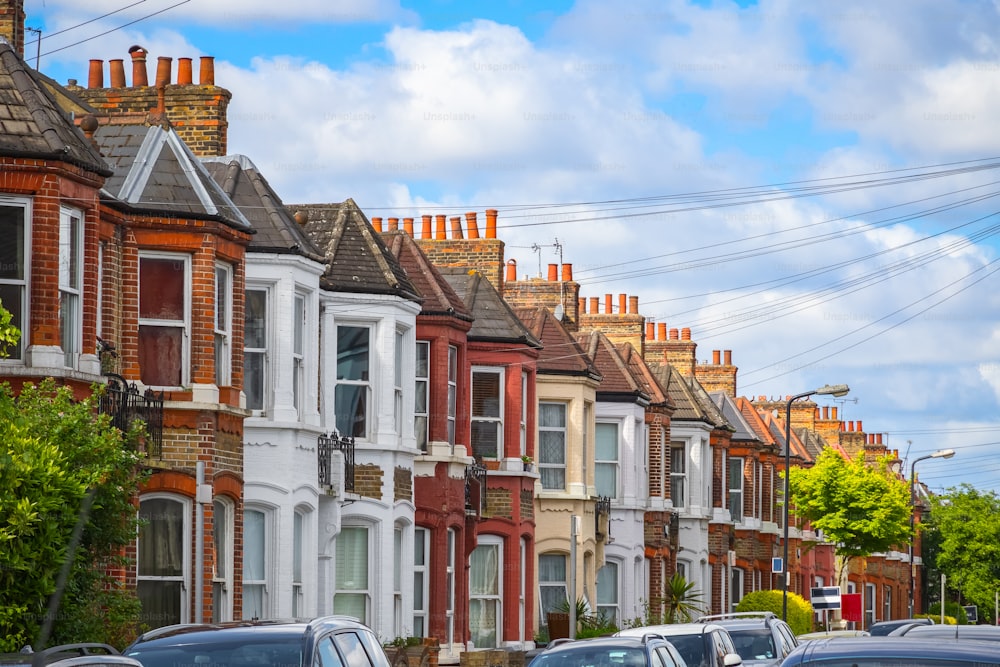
x: 559, y: 312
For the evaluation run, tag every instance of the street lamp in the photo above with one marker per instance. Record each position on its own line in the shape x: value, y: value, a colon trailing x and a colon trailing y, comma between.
x: 940, y: 454
x: 825, y: 390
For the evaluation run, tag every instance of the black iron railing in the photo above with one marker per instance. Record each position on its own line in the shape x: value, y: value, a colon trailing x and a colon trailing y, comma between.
x: 325, y: 446
x: 475, y: 489
x: 602, y: 508
x: 124, y: 403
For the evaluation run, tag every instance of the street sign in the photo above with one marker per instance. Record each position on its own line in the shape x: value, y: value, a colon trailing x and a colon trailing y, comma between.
x: 825, y: 597
x: 972, y: 613
x: 777, y: 566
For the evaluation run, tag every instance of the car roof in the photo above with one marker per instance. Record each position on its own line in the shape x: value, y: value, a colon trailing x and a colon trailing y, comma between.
x: 889, y: 648
x: 69, y: 655
x: 671, y: 629
x: 197, y: 633
x: 986, y: 632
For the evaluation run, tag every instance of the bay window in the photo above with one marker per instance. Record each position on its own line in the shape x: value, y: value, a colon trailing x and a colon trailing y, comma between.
x: 606, y: 459
x: 485, y: 615
x: 13, y: 267
x: 164, y: 319
x: 678, y: 474
x: 161, y: 560
x: 353, y: 387
x: 255, y: 349
x: 352, y: 588
x: 70, y: 283
x: 487, y: 413
x: 552, y: 445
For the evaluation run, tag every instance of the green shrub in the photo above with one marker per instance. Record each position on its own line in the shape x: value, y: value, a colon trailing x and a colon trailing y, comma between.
x: 800, y: 612
x: 950, y: 609
x: 948, y: 620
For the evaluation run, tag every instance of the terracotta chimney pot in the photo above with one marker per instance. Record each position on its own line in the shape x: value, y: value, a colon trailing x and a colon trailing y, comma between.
x: 377, y: 224
x: 553, y: 273
x: 685, y: 334
x: 607, y: 304
x: 456, y: 227
x: 184, y: 72
x: 393, y: 224
x: 622, y: 303
x: 567, y: 273
x: 674, y: 334
x: 661, y: 331
x: 117, y: 67
x: 650, y: 331
x: 408, y: 226
x: 716, y: 358
x: 859, y: 426
x: 633, y: 305
x: 440, y: 228
x: 594, y: 305
x: 833, y: 413
x: 472, y: 225
x: 206, y: 72
x: 878, y: 438
x: 491, y: 223
x: 727, y: 357
x: 139, y: 76
x: 511, y: 270
x: 96, y: 76
x: 163, y: 65
x: 425, y: 226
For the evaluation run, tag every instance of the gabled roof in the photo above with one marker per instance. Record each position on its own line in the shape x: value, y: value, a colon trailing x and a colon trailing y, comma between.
x: 561, y: 353
x: 356, y: 258
x: 439, y: 296
x: 755, y: 420
x: 31, y: 123
x: 712, y: 411
x: 154, y: 170
x: 681, y: 394
x: 645, y: 376
x: 743, y: 431
x: 776, y: 428
x: 493, y: 319
x: 277, y: 231
x: 618, y: 383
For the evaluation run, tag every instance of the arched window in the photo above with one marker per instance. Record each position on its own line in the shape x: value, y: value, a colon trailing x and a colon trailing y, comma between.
x: 163, y: 568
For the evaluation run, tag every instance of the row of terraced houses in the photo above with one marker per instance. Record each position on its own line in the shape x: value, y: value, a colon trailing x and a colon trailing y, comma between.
x: 374, y: 417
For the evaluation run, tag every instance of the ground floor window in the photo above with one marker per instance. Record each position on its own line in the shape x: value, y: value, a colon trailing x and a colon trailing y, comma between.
x: 162, y: 574
x: 485, y: 590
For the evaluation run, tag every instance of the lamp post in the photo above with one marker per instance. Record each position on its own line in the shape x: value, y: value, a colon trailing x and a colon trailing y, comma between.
x: 940, y: 454
x: 825, y: 390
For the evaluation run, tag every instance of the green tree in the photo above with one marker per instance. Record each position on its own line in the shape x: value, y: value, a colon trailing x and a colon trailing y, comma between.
x: 55, y: 451
x: 862, y: 508
x: 800, y: 612
x: 964, y: 533
x: 9, y: 334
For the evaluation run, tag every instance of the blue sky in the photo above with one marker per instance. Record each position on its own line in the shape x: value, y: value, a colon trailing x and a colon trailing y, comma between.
x: 809, y: 185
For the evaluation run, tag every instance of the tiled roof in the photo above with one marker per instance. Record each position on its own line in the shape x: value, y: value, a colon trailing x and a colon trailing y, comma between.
x: 712, y: 411
x: 277, y: 231
x: 439, y: 296
x: 31, y: 123
x: 561, y: 353
x: 644, y: 375
x: 618, y: 382
x: 755, y: 420
x: 688, y: 406
x: 494, y: 320
x: 743, y: 430
x: 154, y: 170
x: 356, y: 258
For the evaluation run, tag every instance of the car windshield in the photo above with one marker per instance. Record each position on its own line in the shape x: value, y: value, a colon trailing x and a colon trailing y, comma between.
x: 275, y: 652
x: 608, y: 656
x: 754, y: 643
x: 691, y: 648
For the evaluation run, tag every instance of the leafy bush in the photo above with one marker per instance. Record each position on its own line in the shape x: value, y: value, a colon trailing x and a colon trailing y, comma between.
x: 800, y: 612
x: 950, y: 609
x: 948, y: 620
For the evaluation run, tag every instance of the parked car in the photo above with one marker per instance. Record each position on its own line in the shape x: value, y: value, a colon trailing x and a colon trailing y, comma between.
x: 69, y: 655
x: 331, y: 641
x: 760, y: 637
x: 831, y: 634
x: 649, y: 650
x: 883, y: 628
x: 922, y: 631
x: 700, y: 644
x: 892, y: 652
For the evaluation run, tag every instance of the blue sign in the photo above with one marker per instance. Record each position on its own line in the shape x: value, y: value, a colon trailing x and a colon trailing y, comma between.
x: 777, y: 566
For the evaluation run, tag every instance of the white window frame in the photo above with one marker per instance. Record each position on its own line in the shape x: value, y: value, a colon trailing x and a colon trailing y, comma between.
x: 452, y: 392
x: 450, y: 574
x: 682, y: 568
x: 547, y: 603
x: 264, y: 353
x: 364, y: 589
x: 20, y: 281
x: 223, y: 324
x: 397, y: 582
x: 758, y: 510
x: 886, y: 602
x: 498, y: 420
x: 265, y: 580
x: 870, y: 604
x: 735, y: 486
x: 299, y: 550
x: 100, y: 288
x: 300, y: 329
x: 421, y: 580
x: 607, y: 463
x: 364, y: 385
x: 222, y: 577
x: 184, y: 324
x: 548, y: 470
x: 422, y: 387
x: 397, y: 383
x: 185, y: 577
x: 492, y: 599
x: 523, y: 450
x: 737, y: 581
x: 70, y: 284
x: 679, y: 476
x: 610, y: 574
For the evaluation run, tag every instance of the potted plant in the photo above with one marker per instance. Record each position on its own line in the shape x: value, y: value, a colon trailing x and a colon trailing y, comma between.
x: 528, y: 463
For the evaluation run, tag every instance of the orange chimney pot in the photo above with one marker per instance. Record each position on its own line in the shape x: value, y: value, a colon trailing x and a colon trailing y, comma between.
x: 553, y: 273
x: 96, y: 77
x: 184, y: 72
x: 491, y: 223
x: 425, y: 226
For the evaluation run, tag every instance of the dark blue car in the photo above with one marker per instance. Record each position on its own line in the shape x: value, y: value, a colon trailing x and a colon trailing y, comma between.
x: 893, y: 652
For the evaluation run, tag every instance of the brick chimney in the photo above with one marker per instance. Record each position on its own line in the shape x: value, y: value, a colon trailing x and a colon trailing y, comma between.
x: 720, y: 375
x: 620, y: 322
x: 197, y: 112
x: 557, y: 292
x: 12, y: 24
x: 472, y: 248
x: 675, y: 348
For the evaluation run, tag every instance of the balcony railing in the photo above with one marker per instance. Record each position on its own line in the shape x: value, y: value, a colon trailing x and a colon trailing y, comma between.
x: 325, y: 446
x: 602, y: 510
x: 124, y: 403
x: 475, y: 489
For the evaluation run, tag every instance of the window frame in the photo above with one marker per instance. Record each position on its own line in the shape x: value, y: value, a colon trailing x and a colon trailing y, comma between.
x: 222, y: 584
x: 364, y: 385
x: 497, y: 421
x: 548, y: 469
x: 266, y: 580
x: 737, y: 584
x: 607, y: 463
x: 183, y: 324
x: 365, y: 592
x: 184, y: 578
x: 222, y: 324
x: 299, y: 550
x: 398, y: 341
x: 487, y: 599
x: 300, y: 328
x: 547, y: 603
x: 264, y: 353
x: 681, y: 476
x: 731, y: 479
x: 71, y: 229
x: 421, y: 580
x: 615, y: 605
x: 20, y: 314
x: 450, y: 573
x: 422, y: 387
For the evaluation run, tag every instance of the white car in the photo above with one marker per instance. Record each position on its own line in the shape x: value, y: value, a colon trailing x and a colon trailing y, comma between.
x: 700, y: 644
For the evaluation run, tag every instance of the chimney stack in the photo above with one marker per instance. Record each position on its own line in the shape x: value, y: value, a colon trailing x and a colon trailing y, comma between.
x: 491, y: 223
x: 408, y: 226
x: 139, y: 75
x: 117, y: 66
x: 184, y: 72
x: 511, y: 270
x: 472, y: 225
x: 567, y: 273
x: 96, y: 77
x: 425, y: 227
x: 206, y: 74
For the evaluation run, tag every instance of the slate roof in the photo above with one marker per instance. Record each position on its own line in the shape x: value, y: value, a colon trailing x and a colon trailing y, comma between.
x: 712, y: 411
x: 155, y: 171
x: 494, y: 320
x: 357, y: 260
x: 439, y: 298
x: 618, y: 383
x: 753, y: 417
x: 743, y: 431
x: 561, y: 353
x: 644, y: 375
x: 682, y: 395
x: 277, y: 231
x: 31, y: 123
